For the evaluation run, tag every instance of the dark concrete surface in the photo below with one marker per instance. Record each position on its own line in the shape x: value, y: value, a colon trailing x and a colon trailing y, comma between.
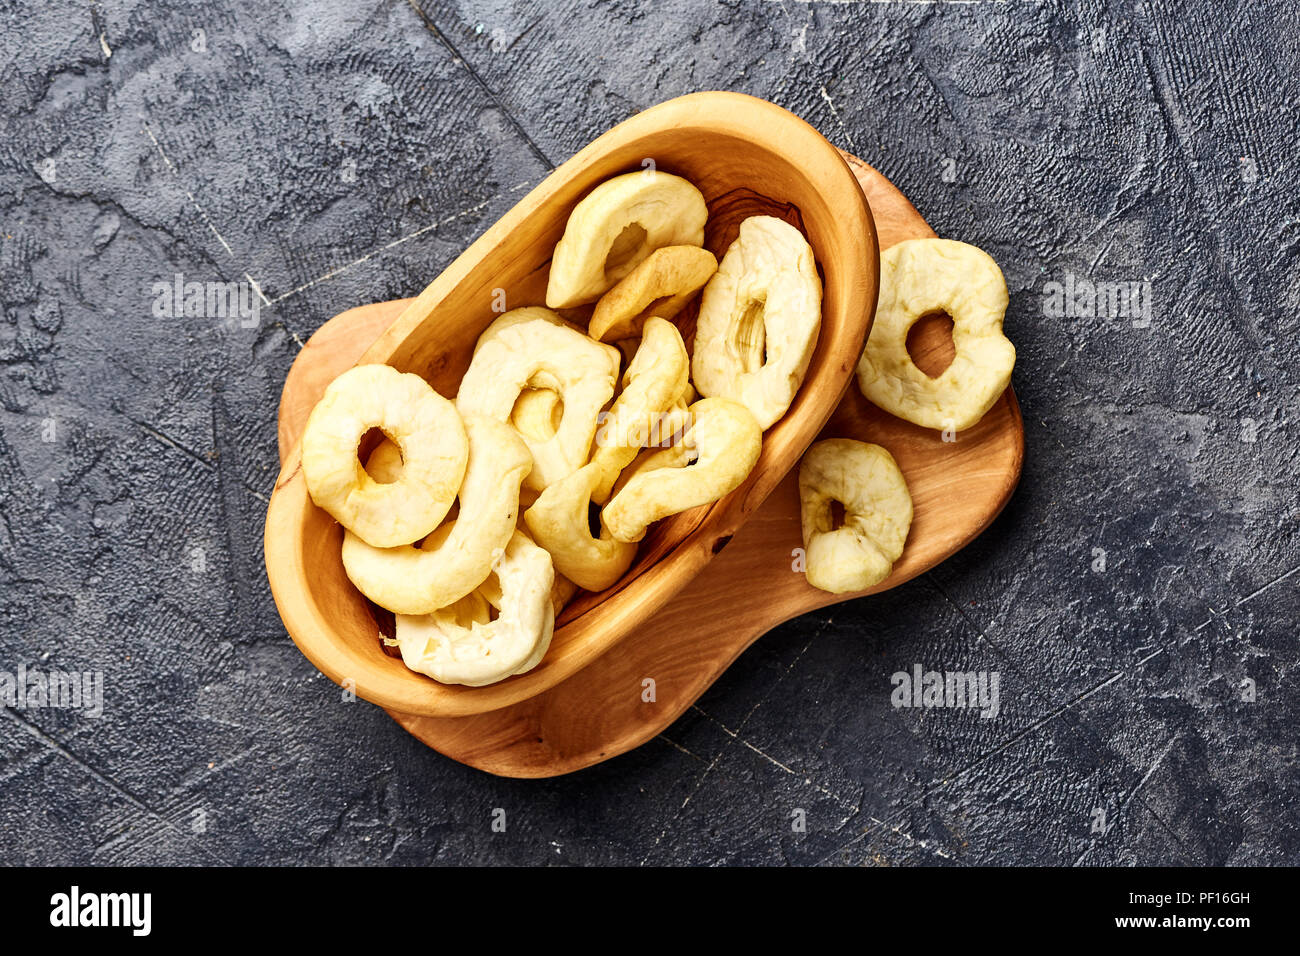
x: 342, y: 152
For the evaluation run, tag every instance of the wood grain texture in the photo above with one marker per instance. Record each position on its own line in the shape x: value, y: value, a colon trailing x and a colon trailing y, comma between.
x: 958, y: 488
x: 721, y: 142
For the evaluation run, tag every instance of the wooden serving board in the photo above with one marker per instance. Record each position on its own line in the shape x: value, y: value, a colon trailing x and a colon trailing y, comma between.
x: 957, y: 487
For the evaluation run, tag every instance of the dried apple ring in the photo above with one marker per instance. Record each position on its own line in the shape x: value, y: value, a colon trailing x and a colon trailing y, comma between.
x: 658, y: 374
x: 455, y: 645
x: 475, y: 609
x: 537, y: 350
x: 668, y: 451
x: 726, y: 440
x: 921, y: 277
x: 615, y: 227
x: 651, y: 459
x: 458, y: 556
x: 558, y: 522
x: 661, y: 285
x: 426, y: 430
x: 519, y: 316
x: 866, y: 480
x: 759, y: 319
x: 536, y: 412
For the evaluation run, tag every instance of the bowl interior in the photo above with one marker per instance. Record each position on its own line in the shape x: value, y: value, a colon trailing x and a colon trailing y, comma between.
x: 747, y: 157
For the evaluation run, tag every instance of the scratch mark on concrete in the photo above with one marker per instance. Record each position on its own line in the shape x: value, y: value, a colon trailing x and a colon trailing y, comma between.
x: 478, y: 207
x: 48, y: 741
x: 189, y: 195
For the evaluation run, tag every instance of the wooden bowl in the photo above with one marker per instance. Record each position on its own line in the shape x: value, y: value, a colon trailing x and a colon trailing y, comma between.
x: 748, y: 157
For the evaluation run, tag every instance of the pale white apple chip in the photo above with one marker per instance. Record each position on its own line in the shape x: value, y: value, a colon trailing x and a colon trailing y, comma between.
x: 533, y: 349
x: 661, y: 285
x: 726, y: 440
x: 558, y: 522
x: 615, y: 227
x: 463, y: 644
x: 427, y: 432
x: 651, y: 459
x: 458, y: 557
x: 656, y: 378
x: 867, y: 482
x: 922, y: 277
x: 759, y: 320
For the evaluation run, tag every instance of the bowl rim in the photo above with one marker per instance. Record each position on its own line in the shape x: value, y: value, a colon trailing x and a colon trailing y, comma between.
x: 736, y: 114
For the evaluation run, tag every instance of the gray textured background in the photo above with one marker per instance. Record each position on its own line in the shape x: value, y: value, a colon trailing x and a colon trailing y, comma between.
x: 343, y: 152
